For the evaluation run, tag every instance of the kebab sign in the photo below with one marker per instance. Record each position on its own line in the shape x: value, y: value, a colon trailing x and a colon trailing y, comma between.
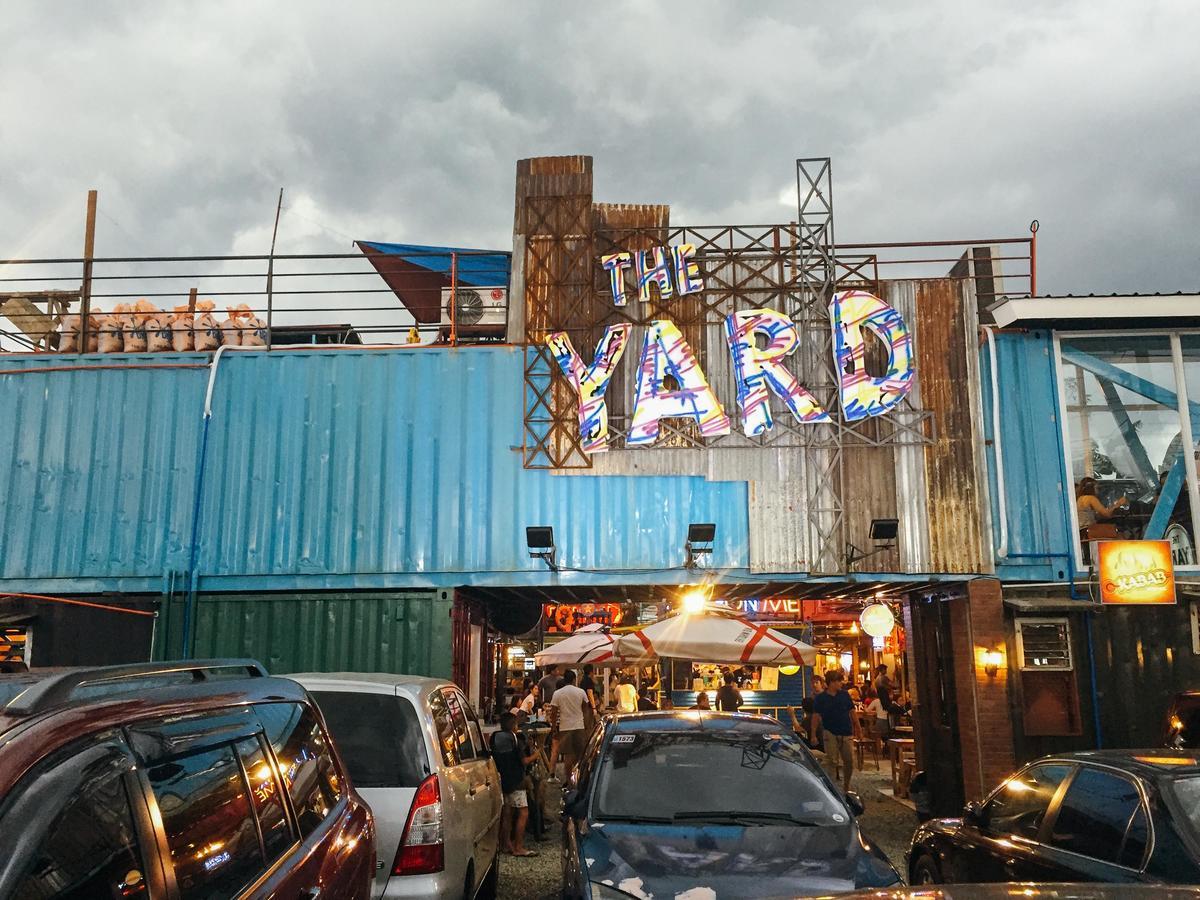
x: 759, y: 341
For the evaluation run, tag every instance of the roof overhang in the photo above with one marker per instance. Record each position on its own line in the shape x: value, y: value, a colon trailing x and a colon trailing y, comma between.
x: 1098, y: 313
x: 1051, y: 605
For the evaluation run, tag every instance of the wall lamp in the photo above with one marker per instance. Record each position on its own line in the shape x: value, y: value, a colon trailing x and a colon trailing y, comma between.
x: 700, y: 538
x: 540, y: 541
x: 992, y: 660
x: 883, y: 532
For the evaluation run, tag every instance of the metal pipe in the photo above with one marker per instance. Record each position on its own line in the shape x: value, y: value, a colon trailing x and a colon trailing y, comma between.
x: 1033, y: 230
x: 1087, y: 617
x: 998, y: 443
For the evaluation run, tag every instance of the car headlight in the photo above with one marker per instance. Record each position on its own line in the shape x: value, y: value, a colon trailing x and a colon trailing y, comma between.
x: 608, y: 892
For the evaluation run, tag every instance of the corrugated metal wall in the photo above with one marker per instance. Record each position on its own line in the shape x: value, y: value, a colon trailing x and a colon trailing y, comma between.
x: 1036, y: 486
x: 405, y: 633
x: 326, y: 469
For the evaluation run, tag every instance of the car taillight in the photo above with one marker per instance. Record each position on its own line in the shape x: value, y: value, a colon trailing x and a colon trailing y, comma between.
x: 421, y: 847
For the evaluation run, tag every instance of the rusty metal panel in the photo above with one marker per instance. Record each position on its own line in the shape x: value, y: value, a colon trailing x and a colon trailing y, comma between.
x: 958, y: 543
x: 909, y: 459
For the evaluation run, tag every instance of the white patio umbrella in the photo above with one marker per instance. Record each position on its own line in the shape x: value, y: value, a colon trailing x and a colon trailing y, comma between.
x: 719, y: 637
x: 593, y: 644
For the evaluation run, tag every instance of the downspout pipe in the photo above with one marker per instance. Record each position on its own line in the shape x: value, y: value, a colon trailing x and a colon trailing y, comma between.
x: 189, y: 606
x: 997, y: 442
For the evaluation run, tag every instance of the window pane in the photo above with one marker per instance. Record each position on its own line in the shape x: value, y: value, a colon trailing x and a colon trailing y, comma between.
x: 378, y: 736
x: 1123, y: 425
x: 1095, y: 814
x: 1185, y: 551
x: 1020, y: 805
x: 462, y: 735
x: 1134, y: 851
x: 305, y: 760
x: 91, y: 850
x: 447, y: 739
x: 736, y: 771
x: 268, y: 800
x: 1186, y: 793
x: 210, y: 831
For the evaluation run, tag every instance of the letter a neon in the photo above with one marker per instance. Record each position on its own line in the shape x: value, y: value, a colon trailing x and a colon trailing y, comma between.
x: 667, y: 353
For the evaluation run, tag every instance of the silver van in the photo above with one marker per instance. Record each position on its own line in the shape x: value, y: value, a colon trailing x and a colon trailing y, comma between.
x: 415, y: 753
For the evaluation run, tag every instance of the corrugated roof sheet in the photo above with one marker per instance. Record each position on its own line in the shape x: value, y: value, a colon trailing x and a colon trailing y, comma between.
x: 477, y: 268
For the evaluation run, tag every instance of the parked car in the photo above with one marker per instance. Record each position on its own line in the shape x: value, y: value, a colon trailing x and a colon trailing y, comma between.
x: 1183, y: 722
x: 666, y: 802
x: 196, y: 779
x: 415, y: 752
x: 1027, y: 889
x: 1103, y: 816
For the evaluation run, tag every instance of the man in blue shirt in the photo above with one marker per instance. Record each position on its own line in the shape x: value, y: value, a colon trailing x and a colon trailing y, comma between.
x: 833, y: 712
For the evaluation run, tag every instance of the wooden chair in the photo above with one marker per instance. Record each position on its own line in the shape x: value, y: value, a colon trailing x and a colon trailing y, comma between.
x: 872, y: 743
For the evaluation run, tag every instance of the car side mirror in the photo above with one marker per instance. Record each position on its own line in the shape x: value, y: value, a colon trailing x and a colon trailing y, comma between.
x: 973, y: 814
x: 855, y: 803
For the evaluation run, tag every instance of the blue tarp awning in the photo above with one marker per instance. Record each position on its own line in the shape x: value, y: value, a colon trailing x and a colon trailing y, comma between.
x: 477, y: 268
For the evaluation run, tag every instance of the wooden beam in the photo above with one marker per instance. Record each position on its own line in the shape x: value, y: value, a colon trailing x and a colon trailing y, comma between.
x: 89, y: 252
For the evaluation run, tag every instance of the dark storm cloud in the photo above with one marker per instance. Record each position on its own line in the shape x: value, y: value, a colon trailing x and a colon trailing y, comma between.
x: 404, y: 121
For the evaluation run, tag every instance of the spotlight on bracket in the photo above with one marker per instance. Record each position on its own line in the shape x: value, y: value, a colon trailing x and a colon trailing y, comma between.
x: 700, y: 537
x: 883, y: 532
x: 540, y: 541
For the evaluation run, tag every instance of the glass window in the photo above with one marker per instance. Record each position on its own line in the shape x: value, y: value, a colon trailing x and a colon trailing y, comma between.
x: 268, y: 799
x: 210, y: 830
x: 712, y: 776
x: 1133, y: 852
x: 462, y: 734
x: 1186, y: 794
x: 378, y: 736
x: 1020, y: 805
x: 442, y: 720
x: 1124, y: 433
x: 1095, y: 814
x: 91, y: 850
x: 305, y: 761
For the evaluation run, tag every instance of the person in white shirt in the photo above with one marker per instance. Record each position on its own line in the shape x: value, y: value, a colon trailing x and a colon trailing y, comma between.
x: 569, y: 703
x: 627, y: 696
x: 529, y: 704
x: 875, y: 707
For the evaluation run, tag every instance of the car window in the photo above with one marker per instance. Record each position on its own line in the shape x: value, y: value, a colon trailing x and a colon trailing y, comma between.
x: 444, y: 723
x: 378, y: 736
x: 1186, y: 794
x: 702, y: 774
x: 1095, y: 814
x: 205, y: 807
x: 305, y: 761
x: 91, y: 850
x: 267, y: 798
x: 1137, y: 836
x: 1019, y: 806
x: 462, y: 734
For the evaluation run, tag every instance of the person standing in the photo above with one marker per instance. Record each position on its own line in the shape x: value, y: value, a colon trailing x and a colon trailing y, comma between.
x: 702, y: 701
x: 512, y: 754
x: 833, y: 715
x: 627, y: 696
x: 729, y: 698
x: 887, y: 706
x: 879, y: 712
x: 587, y: 684
x: 645, y: 704
x: 569, y: 704
x: 548, y: 685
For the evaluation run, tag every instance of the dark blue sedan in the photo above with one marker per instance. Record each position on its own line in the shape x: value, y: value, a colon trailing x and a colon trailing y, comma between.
x: 702, y: 805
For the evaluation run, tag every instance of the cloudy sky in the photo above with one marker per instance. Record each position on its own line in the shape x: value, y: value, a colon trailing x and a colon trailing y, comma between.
x: 403, y: 121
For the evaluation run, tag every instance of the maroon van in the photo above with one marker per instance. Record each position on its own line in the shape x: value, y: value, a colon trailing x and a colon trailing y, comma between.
x: 200, y: 779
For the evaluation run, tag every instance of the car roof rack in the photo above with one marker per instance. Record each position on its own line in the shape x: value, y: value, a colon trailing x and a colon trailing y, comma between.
x: 59, y: 689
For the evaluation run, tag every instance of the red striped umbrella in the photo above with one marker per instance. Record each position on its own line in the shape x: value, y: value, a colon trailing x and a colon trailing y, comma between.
x: 718, y: 637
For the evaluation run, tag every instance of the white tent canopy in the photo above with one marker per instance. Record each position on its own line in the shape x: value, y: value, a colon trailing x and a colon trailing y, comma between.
x: 593, y: 644
x: 718, y: 637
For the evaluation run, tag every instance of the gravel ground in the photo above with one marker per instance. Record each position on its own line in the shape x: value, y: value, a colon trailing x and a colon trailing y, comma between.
x: 887, y: 822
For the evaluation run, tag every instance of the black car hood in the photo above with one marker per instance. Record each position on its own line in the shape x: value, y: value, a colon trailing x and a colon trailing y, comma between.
x: 703, y: 862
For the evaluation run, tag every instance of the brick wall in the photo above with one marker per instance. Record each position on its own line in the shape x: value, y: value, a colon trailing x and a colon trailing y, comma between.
x: 985, y: 725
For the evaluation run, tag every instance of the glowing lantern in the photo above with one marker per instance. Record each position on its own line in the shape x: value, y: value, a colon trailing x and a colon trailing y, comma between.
x: 877, y: 620
x: 788, y: 670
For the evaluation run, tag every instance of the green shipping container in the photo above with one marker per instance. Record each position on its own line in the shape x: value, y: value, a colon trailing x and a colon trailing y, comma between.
x: 404, y: 632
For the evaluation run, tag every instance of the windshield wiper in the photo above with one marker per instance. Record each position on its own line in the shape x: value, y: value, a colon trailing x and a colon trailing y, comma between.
x: 637, y: 820
x: 721, y: 815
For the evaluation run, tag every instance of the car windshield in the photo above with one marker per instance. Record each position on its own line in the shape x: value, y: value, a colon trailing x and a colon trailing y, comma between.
x: 1187, y: 794
x: 695, y: 776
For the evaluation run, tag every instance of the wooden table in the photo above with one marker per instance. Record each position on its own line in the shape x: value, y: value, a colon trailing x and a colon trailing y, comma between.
x: 903, y: 729
x: 896, y: 748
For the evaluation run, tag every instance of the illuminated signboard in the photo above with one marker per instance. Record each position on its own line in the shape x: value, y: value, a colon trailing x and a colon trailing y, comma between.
x: 565, y: 618
x: 671, y: 384
x: 1137, y: 572
x: 774, y: 606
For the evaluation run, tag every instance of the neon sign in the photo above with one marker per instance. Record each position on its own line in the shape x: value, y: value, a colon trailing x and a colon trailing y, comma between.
x: 1136, y: 572
x: 759, y: 371
x: 565, y: 618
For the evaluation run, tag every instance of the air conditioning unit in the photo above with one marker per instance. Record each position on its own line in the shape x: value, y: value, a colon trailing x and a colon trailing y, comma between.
x: 476, y: 307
